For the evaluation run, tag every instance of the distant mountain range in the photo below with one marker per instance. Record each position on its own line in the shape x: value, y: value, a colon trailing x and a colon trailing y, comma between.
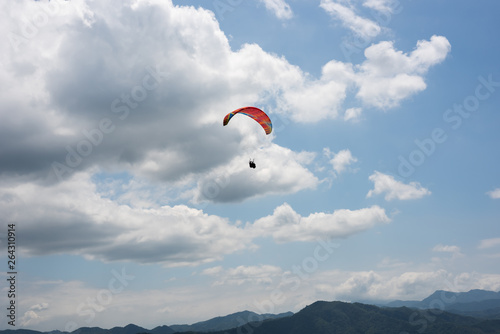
x: 351, y: 318
x: 476, y: 303
x: 215, y: 324
x: 228, y: 322
x: 443, y: 312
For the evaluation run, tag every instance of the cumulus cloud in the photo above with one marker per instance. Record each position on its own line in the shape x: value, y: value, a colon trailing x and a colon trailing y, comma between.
x: 310, y: 100
x: 402, y: 285
x: 385, y: 78
x: 156, y: 114
x: 141, y: 99
x: 139, y: 88
x: 85, y: 101
x: 341, y: 160
x: 286, y: 225
x: 494, y: 194
x: 280, y: 8
x: 361, y: 26
x: 388, y: 76
x: 395, y: 189
x: 84, y: 223
x: 279, y: 171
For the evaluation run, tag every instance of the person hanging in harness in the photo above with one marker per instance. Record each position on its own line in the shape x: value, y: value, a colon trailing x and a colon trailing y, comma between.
x: 252, y: 163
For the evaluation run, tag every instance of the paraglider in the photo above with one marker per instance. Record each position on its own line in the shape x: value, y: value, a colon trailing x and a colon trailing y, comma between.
x: 258, y: 115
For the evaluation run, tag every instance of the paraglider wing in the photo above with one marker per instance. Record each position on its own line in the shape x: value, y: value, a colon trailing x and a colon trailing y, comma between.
x: 255, y: 113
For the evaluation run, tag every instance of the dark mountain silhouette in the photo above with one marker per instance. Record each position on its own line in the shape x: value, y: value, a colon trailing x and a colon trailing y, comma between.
x: 346, y: 318
x: 129, y: 329
x: 162, y: 330
x: 227, y: 322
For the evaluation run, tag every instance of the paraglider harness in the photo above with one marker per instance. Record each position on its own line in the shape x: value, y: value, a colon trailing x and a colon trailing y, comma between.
x: 252, y: 163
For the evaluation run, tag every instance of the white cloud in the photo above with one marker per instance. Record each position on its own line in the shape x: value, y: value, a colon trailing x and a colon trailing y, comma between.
x: 352, y: 114
x: 359, y: 25
x: 162, y: 108
x: 71, y: 218
x: 279, y: 171
x: 308, y: 100
x: 383, y: 80
x: 494, y: 194
x: 383, y: 6
x: 30, y: 318
x: 389, y: 76
x: 398, y: 285
x: 83, y: 222
x: 286, y: 225
x: 489, y: 243
x: 340, y: 160
x: 280, y: 8
x: 395, y: 189
x: 39, y: 306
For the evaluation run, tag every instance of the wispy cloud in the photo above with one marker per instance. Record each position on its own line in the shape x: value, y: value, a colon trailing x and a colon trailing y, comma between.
x: 359, y: 25
x: 494, y: 194
x: 262, y: 274
x: 489, y: 243
x: 353, y: 114
x: 280, y: 8
x: 394, y: 189
x: 383, y: 6
x: 454, y: 250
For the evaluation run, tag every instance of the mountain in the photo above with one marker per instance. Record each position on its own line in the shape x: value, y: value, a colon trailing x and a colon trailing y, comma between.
x: 459, y: 297
x: 477, y: 303
x: 215, y: 324
x: 162, y: 330
x: 129, y: 329
x: 443, y: 312
x: 228, y: 322
x: 346, y: 318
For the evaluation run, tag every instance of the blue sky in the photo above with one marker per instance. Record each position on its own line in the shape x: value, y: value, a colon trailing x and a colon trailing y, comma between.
x: 133, y: 204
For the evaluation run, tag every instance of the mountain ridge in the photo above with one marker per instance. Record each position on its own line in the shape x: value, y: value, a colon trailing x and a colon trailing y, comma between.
x: 227, y: 322
x: 476, y: 308
x: 477, y: 303
x: 345, y: 318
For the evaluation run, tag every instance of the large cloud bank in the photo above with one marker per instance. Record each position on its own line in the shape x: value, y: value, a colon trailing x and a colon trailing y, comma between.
x: 139, y: 88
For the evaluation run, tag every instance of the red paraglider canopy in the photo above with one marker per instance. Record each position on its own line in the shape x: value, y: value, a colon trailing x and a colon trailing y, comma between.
x: 258, y: 115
